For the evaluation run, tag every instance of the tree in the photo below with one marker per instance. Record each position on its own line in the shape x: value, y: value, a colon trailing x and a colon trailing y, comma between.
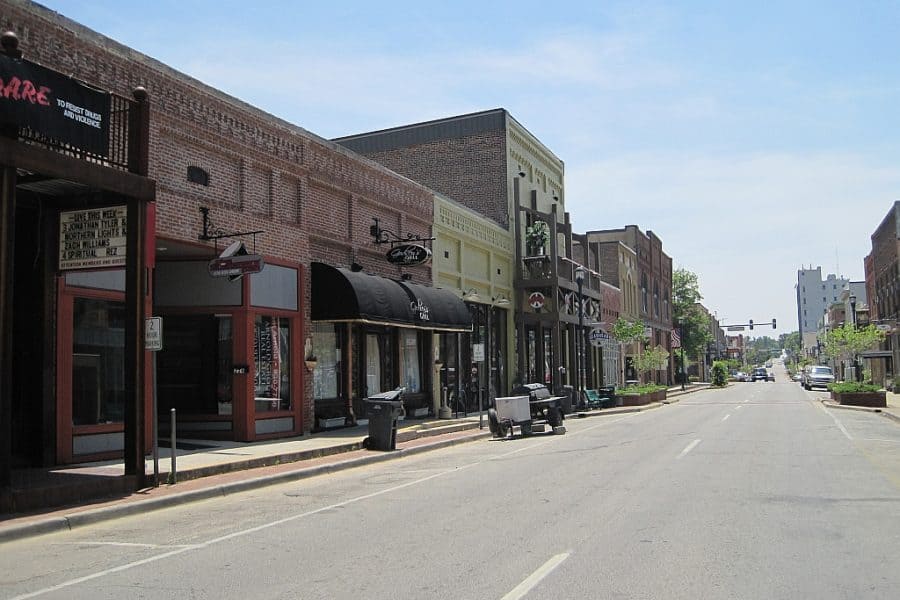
x: 848, y: 341
x: 651, y: 359
x: 628, y: 331
x: 689, y: 317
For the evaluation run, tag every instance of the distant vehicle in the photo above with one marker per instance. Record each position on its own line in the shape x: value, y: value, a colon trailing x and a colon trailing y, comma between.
x: 796, y: 377
x: 768, y: 364
x: 759, y: 374
x: 816, y: 376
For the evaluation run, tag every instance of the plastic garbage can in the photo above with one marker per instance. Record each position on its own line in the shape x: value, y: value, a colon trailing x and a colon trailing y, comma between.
x: 383, y: 410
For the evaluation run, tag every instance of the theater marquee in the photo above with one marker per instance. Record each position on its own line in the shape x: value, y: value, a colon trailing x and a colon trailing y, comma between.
x: 92, y: 238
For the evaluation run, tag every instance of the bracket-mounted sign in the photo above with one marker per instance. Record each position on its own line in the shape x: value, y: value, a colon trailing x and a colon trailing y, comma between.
x: 235, y: 262
x: 407, y: 255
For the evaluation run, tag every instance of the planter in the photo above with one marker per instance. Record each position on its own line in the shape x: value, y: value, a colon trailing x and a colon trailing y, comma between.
x: 640, y: 399
x: 332, y: 423
x: 870, y: 399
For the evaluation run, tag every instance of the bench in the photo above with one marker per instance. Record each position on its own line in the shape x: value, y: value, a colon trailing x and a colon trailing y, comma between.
x: 603, y: 397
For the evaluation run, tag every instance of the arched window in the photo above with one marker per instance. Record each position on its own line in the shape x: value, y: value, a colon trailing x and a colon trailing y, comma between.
x: 656, y: 298
x: 644, y: 306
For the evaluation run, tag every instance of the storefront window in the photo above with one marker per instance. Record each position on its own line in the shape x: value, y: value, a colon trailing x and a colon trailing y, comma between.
x: 224, y: 373
x: 98, y: 365
x: 409, y: 361
x: 373, y: 365
x: 271, y: 352
x: 327, y: 350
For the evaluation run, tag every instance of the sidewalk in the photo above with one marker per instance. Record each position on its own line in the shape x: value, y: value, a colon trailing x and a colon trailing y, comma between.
x: 207, y: 469
x: 891, y: 411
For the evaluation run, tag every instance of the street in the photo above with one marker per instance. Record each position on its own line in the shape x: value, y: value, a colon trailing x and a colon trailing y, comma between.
x: 754, y: 491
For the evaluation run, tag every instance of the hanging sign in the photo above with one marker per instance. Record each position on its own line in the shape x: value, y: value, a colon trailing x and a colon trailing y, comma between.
x: 597, y: 336
x: 51, y: 104
x: 92, y: 238
x: 536, y: 300
x: 235, y: 266
x: 407, y: 255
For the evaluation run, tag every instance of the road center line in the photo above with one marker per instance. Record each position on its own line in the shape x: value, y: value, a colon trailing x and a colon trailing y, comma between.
x: 690, y: 447
x: 535, y: 578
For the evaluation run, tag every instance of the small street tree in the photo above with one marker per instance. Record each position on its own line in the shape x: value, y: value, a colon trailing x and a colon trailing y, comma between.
x: 848, y: 341
x: 651, y: 359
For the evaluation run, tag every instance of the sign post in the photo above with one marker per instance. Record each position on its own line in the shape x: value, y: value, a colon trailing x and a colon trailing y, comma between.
x: 153, y: 342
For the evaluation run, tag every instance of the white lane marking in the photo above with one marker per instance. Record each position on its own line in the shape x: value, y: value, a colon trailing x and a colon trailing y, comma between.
x: 535, y: 578
x: 264, y: 526
x: 880, y: 440
x: 690, y: 447
x: 836, y: 422
x: 739, y: 407
x: 125, y: 544
x: 725, y: 418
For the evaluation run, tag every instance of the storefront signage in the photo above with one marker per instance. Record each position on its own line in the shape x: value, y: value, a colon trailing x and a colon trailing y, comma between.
x: 235, y: 266
x: 92, y: 238
x: 420, y: 310
x: 597, y: 336
x: 536, y: 300
x: 407, y: 255
x: 51, y: 104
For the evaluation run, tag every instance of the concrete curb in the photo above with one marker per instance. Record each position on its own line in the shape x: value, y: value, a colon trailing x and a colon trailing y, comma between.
x: 831, y: 404
x: 107, y: 513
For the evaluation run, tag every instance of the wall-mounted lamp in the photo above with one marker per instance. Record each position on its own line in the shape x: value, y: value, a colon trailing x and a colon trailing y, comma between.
x: 500, y: 300
x: 471, y: 295
x: 521, y: 172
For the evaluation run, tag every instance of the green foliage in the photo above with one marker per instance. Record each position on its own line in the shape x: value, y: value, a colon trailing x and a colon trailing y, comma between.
x: 688, y: 316
x: 537, y: 234
x: 850, y: 341
x: 628, y: 331
x: 719, y: 373
x: 852, y: 387
x: 652, y: 359
x: 635, y: 390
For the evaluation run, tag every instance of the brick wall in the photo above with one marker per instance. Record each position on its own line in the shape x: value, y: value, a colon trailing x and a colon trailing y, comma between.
x: 470, y: 169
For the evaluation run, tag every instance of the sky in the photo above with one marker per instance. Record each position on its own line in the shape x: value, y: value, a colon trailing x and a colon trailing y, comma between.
x: 754, y: 139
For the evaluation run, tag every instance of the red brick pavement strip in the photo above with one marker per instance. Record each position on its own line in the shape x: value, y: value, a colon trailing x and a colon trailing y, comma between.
x: 214, y: 486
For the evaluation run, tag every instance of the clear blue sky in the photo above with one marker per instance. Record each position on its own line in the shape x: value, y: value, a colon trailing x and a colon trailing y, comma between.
x: 753, y: 138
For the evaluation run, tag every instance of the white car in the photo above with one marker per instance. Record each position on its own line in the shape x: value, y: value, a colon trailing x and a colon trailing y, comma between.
x: 816, y: 376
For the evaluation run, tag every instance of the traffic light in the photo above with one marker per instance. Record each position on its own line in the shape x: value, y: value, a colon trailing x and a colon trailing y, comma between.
x: 751, y: 324
x: 773, y: 322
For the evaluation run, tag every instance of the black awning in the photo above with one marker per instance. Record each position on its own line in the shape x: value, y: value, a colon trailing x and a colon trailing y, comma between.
x: 340, y: 294
x: 436, y: 308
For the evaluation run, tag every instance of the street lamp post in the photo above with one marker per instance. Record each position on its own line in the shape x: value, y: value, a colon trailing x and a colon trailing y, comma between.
x: 579, y: 338
x: 853, y: 321
x: 681, y: 334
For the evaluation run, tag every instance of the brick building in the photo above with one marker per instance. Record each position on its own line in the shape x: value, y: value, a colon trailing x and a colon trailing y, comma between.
x: 654, y: 273
x: 490, y: 163
x: 882, y: 268
x: 236, y: 353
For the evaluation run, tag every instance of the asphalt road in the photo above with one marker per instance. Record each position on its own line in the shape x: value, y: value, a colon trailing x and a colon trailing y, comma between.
x: 755, y: 491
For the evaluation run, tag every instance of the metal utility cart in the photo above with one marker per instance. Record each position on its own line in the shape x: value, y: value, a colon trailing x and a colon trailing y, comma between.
x: 532, y: 410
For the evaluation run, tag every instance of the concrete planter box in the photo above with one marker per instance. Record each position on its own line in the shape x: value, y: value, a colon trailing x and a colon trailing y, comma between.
x: 332, y: 423
x: 870, y: 399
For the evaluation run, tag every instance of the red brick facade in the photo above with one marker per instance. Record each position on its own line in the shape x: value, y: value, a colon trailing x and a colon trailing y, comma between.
x: 312, y: 199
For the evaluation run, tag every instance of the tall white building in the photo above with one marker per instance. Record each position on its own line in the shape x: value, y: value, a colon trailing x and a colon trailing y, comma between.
x: 814, y: 296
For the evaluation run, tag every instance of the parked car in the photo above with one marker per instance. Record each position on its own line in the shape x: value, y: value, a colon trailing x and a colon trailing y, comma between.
x: 796, y: 376
x: 759, y: 374
x: 816, y: 376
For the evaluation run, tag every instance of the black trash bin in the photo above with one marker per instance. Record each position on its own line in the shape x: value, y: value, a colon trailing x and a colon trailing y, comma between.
x: 383, y: 410
x: 568, y: 401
